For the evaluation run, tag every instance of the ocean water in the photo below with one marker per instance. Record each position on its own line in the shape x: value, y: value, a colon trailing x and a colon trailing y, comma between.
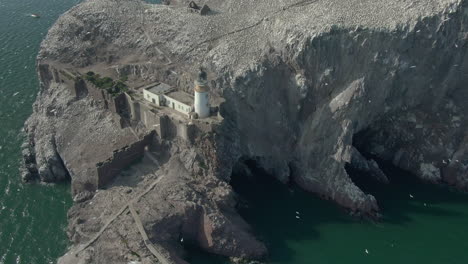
x: 298, y: 228
x: 431, y: 227
x: 32, y: 217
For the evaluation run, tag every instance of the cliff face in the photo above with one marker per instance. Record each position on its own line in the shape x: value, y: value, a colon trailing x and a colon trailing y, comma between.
x: 308, y: 85
x: 397, y: 93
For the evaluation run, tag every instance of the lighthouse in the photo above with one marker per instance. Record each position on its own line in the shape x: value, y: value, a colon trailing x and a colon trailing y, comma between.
x: 202, y: 101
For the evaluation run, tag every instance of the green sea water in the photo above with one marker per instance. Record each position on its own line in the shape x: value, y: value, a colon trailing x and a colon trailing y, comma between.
x: 430, y: 228
x: 32, y: 217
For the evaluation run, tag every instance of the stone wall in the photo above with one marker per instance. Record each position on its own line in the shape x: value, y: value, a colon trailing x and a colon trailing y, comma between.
x: 79, y: 88
x: 172, y: 128
x: 121, y: 158
x: 116, y: 104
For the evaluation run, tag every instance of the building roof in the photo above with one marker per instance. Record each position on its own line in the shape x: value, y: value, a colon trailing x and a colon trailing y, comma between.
x: 180, y: 96
x: 158, y: 88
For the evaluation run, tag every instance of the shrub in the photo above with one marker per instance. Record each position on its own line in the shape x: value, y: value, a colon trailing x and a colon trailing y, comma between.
x: 106, y: 83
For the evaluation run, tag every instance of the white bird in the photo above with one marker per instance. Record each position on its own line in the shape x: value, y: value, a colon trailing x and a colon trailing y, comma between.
x: 367, y: 251
x: 297, y: 212
x: 425, y: 204
x: 411, y: 196
x: 298, y: 217
x: 182, y: 240
x: 15, y: 94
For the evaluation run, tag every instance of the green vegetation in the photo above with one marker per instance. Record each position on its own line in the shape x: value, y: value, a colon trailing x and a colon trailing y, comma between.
x: 106, y: 83
x: 124, y: 78
x: 202, y: 165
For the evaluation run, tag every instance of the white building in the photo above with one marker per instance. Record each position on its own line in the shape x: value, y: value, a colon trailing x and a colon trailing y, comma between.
x: 162, y: 94
x: 155, y: 93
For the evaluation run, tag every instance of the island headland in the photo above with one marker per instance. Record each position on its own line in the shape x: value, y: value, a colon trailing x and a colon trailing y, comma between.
x: 147, y: 109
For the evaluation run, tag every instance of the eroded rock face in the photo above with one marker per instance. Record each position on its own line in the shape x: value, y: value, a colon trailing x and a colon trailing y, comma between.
x: 307, y: 85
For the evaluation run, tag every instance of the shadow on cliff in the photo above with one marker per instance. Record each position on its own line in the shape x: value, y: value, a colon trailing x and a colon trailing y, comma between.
x: 407, y: 195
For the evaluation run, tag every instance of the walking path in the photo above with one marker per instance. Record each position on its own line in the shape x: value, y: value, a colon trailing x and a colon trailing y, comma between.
x: 162, y: 259
x: 114, y: 216
x: 139, y: 225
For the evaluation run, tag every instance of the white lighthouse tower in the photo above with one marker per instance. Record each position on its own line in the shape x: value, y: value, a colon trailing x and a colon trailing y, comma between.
x: 202, y: 101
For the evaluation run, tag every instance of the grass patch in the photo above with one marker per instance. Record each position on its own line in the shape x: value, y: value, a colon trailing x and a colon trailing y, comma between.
x: 106, y: 83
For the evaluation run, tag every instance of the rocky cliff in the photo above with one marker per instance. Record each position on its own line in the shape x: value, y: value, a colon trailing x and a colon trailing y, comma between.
x: 309, y: 86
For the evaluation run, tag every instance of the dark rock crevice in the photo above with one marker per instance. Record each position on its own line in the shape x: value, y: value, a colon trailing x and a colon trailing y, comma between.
x: 422, y: 143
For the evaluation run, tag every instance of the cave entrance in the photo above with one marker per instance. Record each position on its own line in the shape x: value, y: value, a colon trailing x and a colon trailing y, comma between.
x: 399, y: 180
x: 404, y: 194
x: 248, y: 178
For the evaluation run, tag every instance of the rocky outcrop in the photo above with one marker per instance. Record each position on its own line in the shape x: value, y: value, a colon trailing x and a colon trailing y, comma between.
x: 308, y: 85
x: 369, y: 166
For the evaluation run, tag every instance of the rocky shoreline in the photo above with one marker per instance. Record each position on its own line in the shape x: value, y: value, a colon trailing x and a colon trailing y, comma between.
x: 307, y: 87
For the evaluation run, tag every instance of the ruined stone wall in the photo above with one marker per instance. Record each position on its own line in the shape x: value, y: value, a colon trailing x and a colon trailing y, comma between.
x: 171, y: 128
x: 141, y: 112
x: 79, y: 88
x: 115, y: 104
x: 133, y: 108
x: 121, y: 159
x: 49, y: 74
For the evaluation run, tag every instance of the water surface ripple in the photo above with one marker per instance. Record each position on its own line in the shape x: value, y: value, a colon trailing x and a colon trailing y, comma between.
x: 32, y: 217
